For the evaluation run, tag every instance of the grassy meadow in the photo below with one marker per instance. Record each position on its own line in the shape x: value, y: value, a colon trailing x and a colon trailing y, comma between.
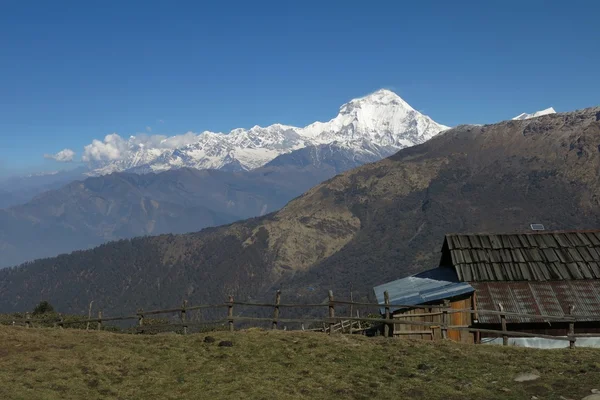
x: 46, y: 363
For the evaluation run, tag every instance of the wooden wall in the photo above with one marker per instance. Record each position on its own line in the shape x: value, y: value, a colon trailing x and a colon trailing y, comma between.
x: 434, y: 332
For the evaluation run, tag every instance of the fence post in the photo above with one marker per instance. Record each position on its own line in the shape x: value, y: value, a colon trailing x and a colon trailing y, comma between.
x: 331, y: 312
x: 503, y: 322
x: 141, y: 320
x: 386, y: 327
x: 445, y: 319
x: 27, y: 320
x: 276, y: 311
x: 230, y: 313
x: 87, y: 325
x: 571, y: 333
x: 99, y: 327
x: 183, y: 317
x: 351, y: 306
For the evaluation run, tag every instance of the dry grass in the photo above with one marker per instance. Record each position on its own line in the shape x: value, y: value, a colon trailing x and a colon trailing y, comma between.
x: 70, y: 364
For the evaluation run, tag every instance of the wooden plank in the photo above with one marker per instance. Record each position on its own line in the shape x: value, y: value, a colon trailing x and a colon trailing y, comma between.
x: 445, y: 319
x: 503, y: 323
x: 190, y: 323
x: 382, y: 321
x: 183, y: 317
x: 33, y: 320
x: 123, y: 318
x: 167, y: 311
x: 571, y: 331
x: 221, y: 305
x: 461, y: 319
x: 87, y: 326
x: 270, y: 305
x: 331, y: 310
x: 230, y: 313
x: 276, y: 309
x: 140, y: 314
x: 408, y: 306
x: 509, y: 333
x: 99, y: 326
x: 386, y: 328
x: 474, y: 316
x: 306, y: 305
x: 432, y: 314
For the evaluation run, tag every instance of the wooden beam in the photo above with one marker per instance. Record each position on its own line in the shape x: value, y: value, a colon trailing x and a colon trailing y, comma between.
x: 230, y: 313
x: 331, y: 311
x: 386, y: 328
x: 276, y: 309
x: 503, y: 323
x: 571, y: 331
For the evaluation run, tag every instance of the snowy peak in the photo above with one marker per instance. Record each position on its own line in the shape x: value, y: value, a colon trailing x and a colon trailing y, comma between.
x: 380, y: 120
x: 382, y: 97
x: 535, y: 114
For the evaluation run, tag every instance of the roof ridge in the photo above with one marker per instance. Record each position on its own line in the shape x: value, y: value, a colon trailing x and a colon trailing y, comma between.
x: 524, y: 233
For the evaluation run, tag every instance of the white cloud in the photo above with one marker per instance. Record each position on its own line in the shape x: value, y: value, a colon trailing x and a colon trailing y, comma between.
x: 148, y: 129
x: 65, y: 155
x: 114, y: 147
x: 177, y: 141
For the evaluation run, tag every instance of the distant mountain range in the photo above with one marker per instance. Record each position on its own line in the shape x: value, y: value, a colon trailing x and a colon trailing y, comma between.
x: 374, y: 126
x: 89, y: 212
x: 180, y: 199
x: 535, y: 114
x: 370, y: 225
x: 21, y: 189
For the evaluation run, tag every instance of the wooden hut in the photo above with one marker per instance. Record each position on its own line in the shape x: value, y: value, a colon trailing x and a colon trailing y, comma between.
x: 432, y: 291
x: 539, y: 273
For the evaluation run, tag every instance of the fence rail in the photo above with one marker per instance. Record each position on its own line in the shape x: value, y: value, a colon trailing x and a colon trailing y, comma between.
x: 332, y: 323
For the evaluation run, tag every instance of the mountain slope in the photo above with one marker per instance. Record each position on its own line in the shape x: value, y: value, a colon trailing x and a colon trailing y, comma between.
x: 378, y: 222
x: 381, y: 119
x: 124, y: 205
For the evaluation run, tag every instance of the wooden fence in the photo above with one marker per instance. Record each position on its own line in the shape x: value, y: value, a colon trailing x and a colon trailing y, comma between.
x: 330, y: 323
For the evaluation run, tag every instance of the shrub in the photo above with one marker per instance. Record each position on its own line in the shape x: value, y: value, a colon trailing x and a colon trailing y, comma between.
x: 43, y: 308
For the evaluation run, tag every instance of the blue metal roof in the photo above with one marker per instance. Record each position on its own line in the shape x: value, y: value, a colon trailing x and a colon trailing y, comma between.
x: 426, y: 287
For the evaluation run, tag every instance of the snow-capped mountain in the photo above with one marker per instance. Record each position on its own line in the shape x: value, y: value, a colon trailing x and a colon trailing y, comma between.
x: 376, y: 125
x: 535, y: 114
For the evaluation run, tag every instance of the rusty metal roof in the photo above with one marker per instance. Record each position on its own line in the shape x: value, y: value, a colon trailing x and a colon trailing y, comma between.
x: 539, y: 256
x: 539, y: 298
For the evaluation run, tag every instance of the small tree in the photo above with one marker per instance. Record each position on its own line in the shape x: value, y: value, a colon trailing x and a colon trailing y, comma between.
x: 43, y: 308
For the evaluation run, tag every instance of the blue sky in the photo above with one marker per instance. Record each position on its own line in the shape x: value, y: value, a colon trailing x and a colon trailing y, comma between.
x: 71, y: 72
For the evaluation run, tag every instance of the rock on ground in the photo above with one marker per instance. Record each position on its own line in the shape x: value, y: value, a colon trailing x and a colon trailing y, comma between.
x: 527, y: 376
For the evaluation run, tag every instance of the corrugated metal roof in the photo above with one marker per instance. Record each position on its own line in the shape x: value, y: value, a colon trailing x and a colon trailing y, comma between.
x: 422, y: 288
x: 539, y: 298
x: 539, y: 256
